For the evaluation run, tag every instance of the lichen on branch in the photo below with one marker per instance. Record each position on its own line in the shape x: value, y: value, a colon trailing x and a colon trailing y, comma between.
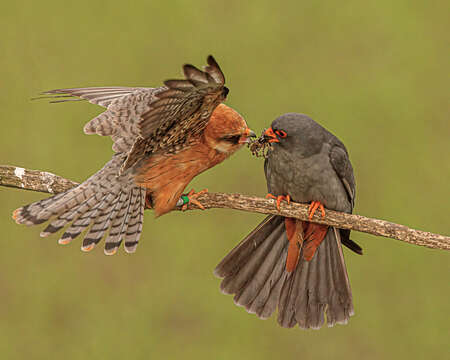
x: 35, y: 180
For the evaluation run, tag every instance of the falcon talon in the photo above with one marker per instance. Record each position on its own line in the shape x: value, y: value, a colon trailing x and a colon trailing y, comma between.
x: 191, y: 198
x: 279, y: 199
x: 303, y: 159
x: 163, y: 137
x: 313, y: 207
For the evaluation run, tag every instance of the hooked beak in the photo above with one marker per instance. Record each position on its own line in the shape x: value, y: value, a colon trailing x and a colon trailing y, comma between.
x: 246, y: 137
x: 270, y: 135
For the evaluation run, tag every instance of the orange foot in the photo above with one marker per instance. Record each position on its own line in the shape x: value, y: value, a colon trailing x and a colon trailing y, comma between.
x: 191, y: 198
x: 313, y: 207
x: 279, y: 199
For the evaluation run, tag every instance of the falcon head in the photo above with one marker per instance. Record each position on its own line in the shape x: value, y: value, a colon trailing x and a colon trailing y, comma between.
x: 227, y: 130
x: 296, y: 132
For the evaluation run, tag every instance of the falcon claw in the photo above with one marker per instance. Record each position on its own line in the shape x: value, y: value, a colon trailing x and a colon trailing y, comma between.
x: 191, y: 198
x: 198, y: 203
x: 279, y: 199
x: 313, y: 207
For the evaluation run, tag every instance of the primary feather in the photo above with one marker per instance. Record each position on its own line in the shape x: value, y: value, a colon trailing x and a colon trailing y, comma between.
x: 148, y: 126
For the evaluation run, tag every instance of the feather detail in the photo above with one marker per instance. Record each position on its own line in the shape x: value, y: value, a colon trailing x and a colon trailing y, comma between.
x: 179, y: 112
x: 102, y: 96
x: 255, y: 272
x: 106, y: 201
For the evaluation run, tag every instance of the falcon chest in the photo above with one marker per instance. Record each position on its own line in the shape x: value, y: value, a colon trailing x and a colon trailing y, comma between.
x: 305, y: 179
x: 167, y: 175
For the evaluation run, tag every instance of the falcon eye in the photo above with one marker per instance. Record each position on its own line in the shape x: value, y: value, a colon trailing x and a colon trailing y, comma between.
x: 281, y: 133
x: 234, y: 139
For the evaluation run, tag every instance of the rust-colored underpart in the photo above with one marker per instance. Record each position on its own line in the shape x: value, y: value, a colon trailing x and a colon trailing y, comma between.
x: 304, y: 234
x: 314, y: 235
x: 294, y: 234
x: 166, y: 175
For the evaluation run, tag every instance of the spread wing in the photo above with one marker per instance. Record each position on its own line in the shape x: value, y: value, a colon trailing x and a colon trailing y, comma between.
x: 181, y: 111
x: 102, y: 96
x: 123, y: 114
x: 143, y: 120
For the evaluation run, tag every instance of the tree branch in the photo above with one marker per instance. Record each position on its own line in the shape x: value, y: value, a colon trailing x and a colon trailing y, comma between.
x: 35, y: 180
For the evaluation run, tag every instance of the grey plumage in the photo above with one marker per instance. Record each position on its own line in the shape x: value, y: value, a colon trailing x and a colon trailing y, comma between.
x: 310, y: 164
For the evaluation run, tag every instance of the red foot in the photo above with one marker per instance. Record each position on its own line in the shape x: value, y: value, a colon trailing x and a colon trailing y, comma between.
x: 313, y: 207
x: 191, y: 198
x: 279, y: 199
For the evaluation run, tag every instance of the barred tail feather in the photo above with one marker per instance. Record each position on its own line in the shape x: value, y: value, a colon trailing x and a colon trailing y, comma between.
x: 135, y: 225
x: 255, y: 272
x: 106, y: 202
x: 124, y: 222
x: 101, y: 224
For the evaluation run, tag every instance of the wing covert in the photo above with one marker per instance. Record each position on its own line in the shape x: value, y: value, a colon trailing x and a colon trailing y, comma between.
x: 180, y: 111
x: 142, y: 120
x: 341, y: 164
x: 189, y: 102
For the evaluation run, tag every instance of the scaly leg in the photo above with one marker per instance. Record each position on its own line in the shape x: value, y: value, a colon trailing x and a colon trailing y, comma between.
x: 314, y: 233
x: 313, y: 207
x: 279, y: 199
x: 191, y: 198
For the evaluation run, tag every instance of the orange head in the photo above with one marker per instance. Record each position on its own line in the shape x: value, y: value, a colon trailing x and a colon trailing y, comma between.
x: 227, y: 130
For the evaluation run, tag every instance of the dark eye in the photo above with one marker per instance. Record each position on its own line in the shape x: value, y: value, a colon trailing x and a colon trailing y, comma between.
x: 234, y: 139
x: 281, y: 133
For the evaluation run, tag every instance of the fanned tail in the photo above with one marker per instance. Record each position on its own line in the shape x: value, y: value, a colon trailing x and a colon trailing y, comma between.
x: 255, y: 272
x: 106, y: 202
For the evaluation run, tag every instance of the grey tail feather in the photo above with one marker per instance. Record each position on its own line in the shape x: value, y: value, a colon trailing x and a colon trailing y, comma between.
x: 255, y: 272
x: 104, y: 203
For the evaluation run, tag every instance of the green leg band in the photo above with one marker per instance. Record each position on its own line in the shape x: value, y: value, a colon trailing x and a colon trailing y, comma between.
x: 185, y: 199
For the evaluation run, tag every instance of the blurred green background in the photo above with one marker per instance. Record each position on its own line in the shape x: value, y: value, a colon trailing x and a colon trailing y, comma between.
x: 375, y: 73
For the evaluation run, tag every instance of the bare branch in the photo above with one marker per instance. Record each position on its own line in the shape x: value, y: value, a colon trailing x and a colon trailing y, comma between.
x: 35, y: 180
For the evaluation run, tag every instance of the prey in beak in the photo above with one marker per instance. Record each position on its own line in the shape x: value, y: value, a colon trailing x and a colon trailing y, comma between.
x: 260, y: 146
